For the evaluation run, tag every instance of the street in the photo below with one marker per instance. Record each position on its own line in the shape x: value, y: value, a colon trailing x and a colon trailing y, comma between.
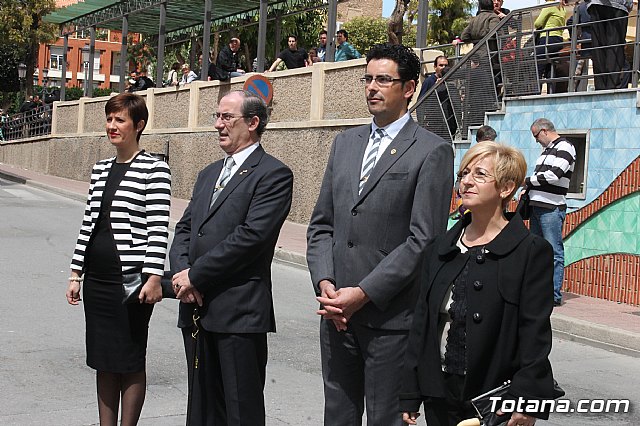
x: 45, y: 380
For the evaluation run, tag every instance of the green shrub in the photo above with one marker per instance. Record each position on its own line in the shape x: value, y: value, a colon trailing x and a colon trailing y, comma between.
x: 73, y: 93
x: 102, y: 92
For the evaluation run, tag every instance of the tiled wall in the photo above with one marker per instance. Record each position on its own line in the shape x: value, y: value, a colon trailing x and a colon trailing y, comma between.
x: 602, y: 230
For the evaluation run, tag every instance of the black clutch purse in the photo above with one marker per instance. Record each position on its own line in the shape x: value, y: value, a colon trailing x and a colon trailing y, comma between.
x: 132, y: 284
x: 484, y: 403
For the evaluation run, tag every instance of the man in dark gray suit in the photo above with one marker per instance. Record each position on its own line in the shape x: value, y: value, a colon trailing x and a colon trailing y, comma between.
x: 385, y: 195
x: 222, y: 253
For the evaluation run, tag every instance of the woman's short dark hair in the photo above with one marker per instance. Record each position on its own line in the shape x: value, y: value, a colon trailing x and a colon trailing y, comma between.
x: 485, y: 4
x: 254, y: 106
x: 175, y: 66
x: 408, y: 62
x: 133, y: 104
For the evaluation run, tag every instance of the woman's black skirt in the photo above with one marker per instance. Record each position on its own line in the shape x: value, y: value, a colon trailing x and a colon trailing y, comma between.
x: 116, y: 334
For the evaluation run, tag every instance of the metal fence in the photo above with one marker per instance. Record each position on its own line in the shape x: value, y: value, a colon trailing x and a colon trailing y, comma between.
x: 516, y: 60
x: 28, y: 124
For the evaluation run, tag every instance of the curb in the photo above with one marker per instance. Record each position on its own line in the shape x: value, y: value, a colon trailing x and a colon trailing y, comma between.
x: 610, y: 338
x: 50, y: 188
x: 290, y: 258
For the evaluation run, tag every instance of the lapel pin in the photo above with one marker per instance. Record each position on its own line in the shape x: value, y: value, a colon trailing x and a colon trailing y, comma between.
x: 243, y: 172
x: 393, y: 151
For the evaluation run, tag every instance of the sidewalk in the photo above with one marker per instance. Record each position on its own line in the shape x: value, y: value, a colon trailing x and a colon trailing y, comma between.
x: 593, y: 321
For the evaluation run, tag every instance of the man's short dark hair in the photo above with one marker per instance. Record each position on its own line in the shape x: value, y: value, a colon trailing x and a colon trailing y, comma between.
x: 344, y: 33
x: 408, y: 62
x: 254, y: 106
x: 323, y: 32
x: 293, y: 37
x: 405, y: 57
x: 485, y: 4
x: 486, y: 133
x: 435, y: 61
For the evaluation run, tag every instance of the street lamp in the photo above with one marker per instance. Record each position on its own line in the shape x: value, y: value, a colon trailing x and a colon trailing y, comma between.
x: 22, y: 74
x: 46, y: 91
x: 86, y: 50
x: 22, y: 71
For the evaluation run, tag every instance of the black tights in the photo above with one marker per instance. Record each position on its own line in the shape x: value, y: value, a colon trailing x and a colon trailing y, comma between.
x: 111, y: 386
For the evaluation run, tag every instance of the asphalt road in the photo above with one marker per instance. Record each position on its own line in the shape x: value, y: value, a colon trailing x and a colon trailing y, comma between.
x: 45, y: 381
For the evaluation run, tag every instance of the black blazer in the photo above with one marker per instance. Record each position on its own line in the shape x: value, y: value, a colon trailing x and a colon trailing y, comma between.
x: 229, y: 247
x: 509, y: 302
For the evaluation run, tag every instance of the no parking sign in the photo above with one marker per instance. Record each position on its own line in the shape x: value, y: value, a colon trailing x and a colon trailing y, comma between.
x: 261, y: 86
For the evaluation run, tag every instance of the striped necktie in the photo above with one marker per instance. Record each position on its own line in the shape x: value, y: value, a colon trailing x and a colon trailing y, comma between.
x: 370, y: 157
x: 224, y: 179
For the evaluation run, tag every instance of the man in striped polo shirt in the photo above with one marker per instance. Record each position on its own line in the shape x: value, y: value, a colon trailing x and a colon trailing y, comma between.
x: 548, y: 186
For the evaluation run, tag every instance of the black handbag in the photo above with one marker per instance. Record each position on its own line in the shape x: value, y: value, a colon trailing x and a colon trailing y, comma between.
x: 484, y: 403
x: 524, y: 208
x: 132, y: 284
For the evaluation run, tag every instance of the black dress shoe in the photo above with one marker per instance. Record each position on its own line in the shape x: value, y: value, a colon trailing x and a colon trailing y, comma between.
x: 557, y: 303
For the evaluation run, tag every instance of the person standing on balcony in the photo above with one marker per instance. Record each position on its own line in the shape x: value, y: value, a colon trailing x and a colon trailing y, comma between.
x: 547, y: 188
x: 188, y: 76
x: 439, y: 64
x: 479, y: 25
x: 608, y: 39
x: 322, y: 47
x: 228, y: 63
x: 293, y: 57
x: 344, y: 49
x: 172, y: 77
x: 550, y: 41
x: 499, y: 10
x: 385, y: 194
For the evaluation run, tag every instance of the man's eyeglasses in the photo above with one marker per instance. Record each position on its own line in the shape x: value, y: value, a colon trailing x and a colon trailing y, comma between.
x: 225, y: 116
x: 478, y: 175
x: 381, y: 80
x: 535, y: 135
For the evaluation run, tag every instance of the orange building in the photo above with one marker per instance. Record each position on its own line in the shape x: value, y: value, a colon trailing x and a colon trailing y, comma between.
x: 106, y: 66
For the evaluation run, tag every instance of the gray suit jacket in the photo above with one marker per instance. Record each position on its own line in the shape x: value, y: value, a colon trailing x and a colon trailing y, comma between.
x: 376, y: 239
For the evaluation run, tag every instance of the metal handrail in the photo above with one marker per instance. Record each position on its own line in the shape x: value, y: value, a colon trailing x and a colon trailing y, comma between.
x: 22, y: 125
x: 503, y: 33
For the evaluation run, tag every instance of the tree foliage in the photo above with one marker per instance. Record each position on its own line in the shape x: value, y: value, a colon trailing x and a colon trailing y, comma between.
x: 447, y: 19
x: 364, y: 32
x: 22, y: 30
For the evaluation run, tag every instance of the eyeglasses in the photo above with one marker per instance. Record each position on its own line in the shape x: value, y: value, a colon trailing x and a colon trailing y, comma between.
x: 478, y: 175
x: 225, y: 116
x: 381, y: 80
x: 535, y: 135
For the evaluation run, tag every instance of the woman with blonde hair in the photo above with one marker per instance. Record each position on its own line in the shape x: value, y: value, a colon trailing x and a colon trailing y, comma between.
x: 486, y: 296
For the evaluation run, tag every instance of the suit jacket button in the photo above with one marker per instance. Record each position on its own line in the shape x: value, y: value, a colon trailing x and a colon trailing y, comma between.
x: 480, y: 258
x: 200, y: 234
x: 477, y: 318
x: 477, y: 285
x: 350, y: 244
x: 354, y: 212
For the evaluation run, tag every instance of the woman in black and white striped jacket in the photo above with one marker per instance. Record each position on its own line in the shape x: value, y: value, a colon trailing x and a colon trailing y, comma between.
x: 124, y: 231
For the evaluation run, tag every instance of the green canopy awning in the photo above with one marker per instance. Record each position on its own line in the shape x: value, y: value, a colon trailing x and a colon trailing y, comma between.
x: 144, y: 15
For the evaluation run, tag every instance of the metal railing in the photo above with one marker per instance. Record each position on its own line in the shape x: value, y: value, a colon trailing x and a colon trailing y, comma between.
x: 508, y: 63
x: 28, y: 124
